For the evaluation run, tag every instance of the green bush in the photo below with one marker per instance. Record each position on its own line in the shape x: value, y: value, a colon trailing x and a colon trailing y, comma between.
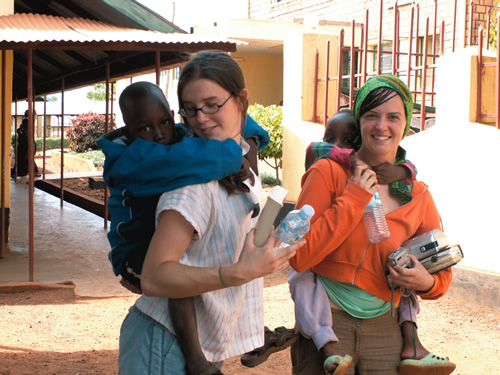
x: 270, y: 118
x: 86, y: 129
x: 51, y: 143
x: 97, y: 157
x: 267, y: 179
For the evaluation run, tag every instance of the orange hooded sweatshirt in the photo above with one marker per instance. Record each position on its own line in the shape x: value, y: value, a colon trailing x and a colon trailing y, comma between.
x: 337, y: 244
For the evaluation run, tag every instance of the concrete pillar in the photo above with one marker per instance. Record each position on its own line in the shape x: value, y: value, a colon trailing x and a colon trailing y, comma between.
x: 298, y: 93
x: 6, y: 8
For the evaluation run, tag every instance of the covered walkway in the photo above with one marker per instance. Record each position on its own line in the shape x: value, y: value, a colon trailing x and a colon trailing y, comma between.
x: 70, y: 245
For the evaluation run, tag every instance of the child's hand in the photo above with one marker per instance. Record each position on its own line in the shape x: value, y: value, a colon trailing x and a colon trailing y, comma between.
x: 388, y: 173
x: 128, y: 285
x: 245, y: 172
x: 355, y: 161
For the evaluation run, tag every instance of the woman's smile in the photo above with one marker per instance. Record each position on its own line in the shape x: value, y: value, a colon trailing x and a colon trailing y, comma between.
x: 208, y: 130
x: 381, y: 137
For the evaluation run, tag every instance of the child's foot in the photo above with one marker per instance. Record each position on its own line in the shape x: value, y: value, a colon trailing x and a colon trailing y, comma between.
x: 409, y: 352
x: 334, y: 363
x: 274, y: 341
x: 337, y: 365
x: 202, y: 368
x: 430, y: 364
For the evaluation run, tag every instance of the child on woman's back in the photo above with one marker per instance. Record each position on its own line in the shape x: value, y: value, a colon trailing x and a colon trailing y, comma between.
x: 312, y: 308
x: 147, y: 157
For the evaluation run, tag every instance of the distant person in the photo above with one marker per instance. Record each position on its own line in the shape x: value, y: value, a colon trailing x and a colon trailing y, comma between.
x: 22, y: 152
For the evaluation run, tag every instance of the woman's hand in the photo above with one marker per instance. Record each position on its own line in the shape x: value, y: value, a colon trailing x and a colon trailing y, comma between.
x: 365, y: 177
x: 416, y: 278
x: 255, y: 262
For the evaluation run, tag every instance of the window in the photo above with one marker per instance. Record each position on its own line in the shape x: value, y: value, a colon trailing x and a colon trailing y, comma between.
x: 346, y: 67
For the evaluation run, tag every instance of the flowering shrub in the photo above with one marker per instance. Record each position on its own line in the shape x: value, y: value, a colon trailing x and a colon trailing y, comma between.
x: 85, y: 131
x: 270, y: 118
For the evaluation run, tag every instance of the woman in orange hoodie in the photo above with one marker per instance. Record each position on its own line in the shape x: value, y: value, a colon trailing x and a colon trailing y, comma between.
x: 353, y: 270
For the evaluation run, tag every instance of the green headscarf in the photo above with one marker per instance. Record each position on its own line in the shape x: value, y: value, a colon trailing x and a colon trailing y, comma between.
x: 397, y: 188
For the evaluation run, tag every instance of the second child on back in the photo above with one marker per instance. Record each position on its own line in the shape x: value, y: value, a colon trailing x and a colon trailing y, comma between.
x: 312, y: 309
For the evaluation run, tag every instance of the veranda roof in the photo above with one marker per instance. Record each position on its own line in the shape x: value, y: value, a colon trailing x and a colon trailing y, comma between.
x: 78, y: 49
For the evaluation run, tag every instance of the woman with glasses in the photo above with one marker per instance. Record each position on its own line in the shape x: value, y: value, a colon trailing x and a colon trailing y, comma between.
x: 203, y: 246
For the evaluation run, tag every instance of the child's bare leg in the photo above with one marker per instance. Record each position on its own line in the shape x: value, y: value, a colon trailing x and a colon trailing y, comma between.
x: 327, y: 351
x: 412, y: 347
x: 183, y: 317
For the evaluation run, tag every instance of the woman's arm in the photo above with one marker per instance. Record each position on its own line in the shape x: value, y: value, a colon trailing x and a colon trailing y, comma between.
x: 164, y: 276
x: 337, y: 210
x: 418, y: 278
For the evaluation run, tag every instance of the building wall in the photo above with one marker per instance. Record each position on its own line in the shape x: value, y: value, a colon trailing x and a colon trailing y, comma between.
x: 298, y: 88
x: 443, y: 165
x: 469, y: 216
x: 481, y: 9
x: 348, y: 10
x: 263, y: 77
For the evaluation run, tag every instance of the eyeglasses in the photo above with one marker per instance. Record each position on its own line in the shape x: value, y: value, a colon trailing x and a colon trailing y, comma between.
x: 208, y: 109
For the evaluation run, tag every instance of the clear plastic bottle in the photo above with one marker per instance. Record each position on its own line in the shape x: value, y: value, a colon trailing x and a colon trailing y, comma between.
x: 294, y: 226
x: 374, y: 217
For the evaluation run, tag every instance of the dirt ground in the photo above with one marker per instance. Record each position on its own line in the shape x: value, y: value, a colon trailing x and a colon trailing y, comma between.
x: 49, y: 332
x: 80, y: 184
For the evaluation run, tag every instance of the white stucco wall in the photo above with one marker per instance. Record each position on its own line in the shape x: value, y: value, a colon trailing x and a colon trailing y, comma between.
x: 459, y: 161
x: 460, y: 167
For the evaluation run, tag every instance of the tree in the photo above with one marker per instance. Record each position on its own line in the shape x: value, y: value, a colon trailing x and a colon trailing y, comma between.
x: 99, y: 93
x: 270, y: 118
x: 493, y: 25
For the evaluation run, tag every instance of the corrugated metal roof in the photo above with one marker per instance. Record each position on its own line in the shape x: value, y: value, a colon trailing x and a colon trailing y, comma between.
x: 46, y: 31
x: 124, y: 13
x: 80, y: 49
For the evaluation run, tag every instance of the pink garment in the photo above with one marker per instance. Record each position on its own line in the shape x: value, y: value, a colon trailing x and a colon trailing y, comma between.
x: 313, y: 316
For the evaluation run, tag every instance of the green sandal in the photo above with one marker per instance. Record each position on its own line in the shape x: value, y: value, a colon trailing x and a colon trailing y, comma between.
x: 431, y: 364
x: 342, y: 363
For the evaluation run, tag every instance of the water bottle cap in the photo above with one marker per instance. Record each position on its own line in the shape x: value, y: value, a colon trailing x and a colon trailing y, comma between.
x: 306, y: 212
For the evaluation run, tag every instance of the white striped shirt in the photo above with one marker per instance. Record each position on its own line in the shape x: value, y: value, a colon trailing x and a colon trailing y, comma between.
x: 231, y: 320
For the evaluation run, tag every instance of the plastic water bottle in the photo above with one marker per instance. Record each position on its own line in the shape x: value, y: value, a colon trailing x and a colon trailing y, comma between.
x: 294, y: 226
x: 376, y: 225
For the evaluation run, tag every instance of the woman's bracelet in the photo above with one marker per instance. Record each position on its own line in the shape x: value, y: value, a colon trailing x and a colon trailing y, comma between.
x: 220, y: 277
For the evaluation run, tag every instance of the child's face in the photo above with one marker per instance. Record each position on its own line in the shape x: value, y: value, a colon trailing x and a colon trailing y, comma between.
x: 151, y: 119
x: 339, y: 133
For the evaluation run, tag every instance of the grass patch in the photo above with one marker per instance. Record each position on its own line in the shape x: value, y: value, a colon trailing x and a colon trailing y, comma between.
x: 268, y: 179
x: 97, y: 157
